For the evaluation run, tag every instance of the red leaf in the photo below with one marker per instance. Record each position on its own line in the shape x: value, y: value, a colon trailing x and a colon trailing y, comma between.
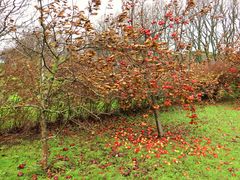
x: 20, y: 174
x: 21, y: 166
x: 65, y: 149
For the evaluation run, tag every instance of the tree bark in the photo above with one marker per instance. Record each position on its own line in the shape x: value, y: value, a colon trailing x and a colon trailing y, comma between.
x: 156, y: 117
x: 45, y: 151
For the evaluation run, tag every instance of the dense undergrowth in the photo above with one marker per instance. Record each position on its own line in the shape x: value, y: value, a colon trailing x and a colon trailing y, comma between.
x: 128, y: 147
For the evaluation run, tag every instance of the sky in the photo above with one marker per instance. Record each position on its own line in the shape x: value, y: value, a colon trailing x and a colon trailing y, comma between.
x: 82, y: 4
x: 115, y: 4
x: 107, y: 7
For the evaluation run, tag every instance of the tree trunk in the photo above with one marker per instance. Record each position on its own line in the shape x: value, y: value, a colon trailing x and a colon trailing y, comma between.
x: 45, y: 152
x: 158, y: 123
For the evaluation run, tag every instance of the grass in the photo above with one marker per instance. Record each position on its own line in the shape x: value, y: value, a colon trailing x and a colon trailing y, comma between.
x: 127, y: 148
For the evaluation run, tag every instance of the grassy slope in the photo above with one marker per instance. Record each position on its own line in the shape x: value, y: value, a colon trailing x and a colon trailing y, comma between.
x: 216, y: 134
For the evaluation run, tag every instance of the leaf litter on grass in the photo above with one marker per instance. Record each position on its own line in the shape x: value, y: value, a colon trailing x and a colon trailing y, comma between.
x: 129, y: 147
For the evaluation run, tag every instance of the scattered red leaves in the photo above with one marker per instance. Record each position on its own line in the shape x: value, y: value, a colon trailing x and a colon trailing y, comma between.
x: 143, y: 140
x: 193, y: 116
x: 104, y: 166
x: 62, y: 158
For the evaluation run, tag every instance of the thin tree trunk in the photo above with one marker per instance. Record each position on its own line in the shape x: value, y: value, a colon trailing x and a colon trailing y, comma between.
x: 45, y: 151
x: 43, y: 95
x: 156, y: 117
x: 43, y: 120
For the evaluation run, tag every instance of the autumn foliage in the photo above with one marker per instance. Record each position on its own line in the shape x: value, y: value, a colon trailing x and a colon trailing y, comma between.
x: 65, y: 69
x: 127, y: 66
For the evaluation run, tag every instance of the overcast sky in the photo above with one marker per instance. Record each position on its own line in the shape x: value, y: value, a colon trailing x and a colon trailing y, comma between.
x: 82, y: 4
x: 115, y: 4
x: 107, y: 7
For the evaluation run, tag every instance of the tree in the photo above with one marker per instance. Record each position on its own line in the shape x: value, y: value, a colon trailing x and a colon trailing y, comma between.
x: 10, y: 12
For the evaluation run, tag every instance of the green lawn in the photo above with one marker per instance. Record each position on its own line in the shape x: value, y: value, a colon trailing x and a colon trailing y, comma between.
x: 127, y: 147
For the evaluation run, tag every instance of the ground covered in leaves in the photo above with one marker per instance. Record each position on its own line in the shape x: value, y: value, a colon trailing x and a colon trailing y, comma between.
x: 128, y: 147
